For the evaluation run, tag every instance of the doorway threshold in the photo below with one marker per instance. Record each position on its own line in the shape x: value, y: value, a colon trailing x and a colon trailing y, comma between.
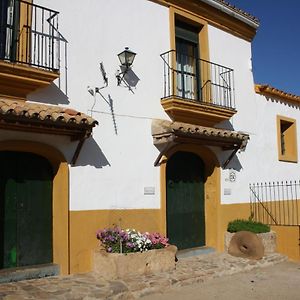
x: 194, y: 252
x: 28, y: 272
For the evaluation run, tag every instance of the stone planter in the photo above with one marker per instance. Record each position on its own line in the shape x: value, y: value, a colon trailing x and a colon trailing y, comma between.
x: 115, y: 265
x: 268, y: 240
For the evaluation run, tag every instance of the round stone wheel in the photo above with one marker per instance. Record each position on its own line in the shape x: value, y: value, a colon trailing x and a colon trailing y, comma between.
x: 246, y: 244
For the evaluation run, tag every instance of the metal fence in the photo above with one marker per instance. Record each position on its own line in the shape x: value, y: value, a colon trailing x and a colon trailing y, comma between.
x: 29, y: 35
x: 276, y: 203
x: 195, y: 79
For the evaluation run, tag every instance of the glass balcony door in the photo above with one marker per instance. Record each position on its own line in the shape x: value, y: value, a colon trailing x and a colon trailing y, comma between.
x: 186, y: 65
x: 187, y: 54
x: 9, y: 24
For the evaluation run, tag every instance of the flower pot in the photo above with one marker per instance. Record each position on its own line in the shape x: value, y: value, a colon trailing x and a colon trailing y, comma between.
x: 117, y: 265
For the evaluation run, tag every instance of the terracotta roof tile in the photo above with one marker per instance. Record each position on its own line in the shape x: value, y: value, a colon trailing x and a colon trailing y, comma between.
x: 164, y: 130
x: 209, y: 131
x: 43, y: 112
x: 266, y: 89
x: 238, y: 10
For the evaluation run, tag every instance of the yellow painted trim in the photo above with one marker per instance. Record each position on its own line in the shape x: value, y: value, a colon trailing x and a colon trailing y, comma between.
x: 211, y: 189
x: 189, y: 111
x: 186, y: 17
x: 290, y: 142
x: 173, y: 46
x: 17, y: 80
x: 25, y: 31
x: 60, y: 195
x: 212, y: 16
x: 194, y: 112
x: 193, y: 20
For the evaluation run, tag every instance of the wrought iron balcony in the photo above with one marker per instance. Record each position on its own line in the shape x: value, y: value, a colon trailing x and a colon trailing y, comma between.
x: 196, y: 90
x: 32, y: 50
x: 29, y: 35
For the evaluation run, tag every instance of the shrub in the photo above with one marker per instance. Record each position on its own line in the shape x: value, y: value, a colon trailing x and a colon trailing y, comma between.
x: 247, y: 225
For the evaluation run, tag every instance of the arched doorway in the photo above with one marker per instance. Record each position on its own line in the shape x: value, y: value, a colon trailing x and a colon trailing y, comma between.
x: 25, y: 209
x: 185, y: 200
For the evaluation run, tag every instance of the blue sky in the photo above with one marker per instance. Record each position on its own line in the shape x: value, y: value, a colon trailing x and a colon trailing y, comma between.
x: 276, y: 47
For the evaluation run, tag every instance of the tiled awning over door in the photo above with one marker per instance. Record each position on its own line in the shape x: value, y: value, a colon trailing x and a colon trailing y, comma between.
x: 42, y: 118
x: 46, y: 119
x: 164, y: 131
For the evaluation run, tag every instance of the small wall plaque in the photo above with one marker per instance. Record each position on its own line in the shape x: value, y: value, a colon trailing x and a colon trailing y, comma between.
x: 227, y: 191
x: 149, y: 190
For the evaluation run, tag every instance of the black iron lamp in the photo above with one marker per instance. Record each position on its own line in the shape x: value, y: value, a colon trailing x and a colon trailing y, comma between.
x: 126, y: 58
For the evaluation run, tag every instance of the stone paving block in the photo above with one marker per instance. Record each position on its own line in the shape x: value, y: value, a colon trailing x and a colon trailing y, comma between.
x: 118, y: 287
x: 122, y: 296
x: 190, y: 281
x: 15, y: 297
x: 90, y: 286
x: 137, y: 286
x: 148, y: 291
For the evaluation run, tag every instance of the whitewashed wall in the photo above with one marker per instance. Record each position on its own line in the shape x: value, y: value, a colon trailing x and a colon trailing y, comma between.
x: 260, y: 160
x: 256, y: 116
x: 117, y: 164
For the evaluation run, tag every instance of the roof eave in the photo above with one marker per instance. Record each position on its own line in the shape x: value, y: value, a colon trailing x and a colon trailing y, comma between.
x: 231, y: 12
x: 268, y: 90
x: 73, y: 130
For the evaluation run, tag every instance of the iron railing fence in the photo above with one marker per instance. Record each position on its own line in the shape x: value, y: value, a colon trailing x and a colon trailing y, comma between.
x: 195, y: 79
x: 276, y: 203
x: 29, y: 35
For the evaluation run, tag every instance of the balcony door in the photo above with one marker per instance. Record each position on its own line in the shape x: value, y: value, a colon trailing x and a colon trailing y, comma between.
x: 9, y: 28
x: 187, y: 61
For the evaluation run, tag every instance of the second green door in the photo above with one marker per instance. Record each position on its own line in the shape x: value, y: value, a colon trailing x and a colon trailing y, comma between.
x: 185, y: 200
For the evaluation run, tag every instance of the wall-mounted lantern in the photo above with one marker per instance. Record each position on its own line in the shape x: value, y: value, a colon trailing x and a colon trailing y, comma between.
x: 126, y: 59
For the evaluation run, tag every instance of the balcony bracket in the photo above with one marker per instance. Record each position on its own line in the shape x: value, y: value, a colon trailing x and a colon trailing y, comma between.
x: 229, y: 159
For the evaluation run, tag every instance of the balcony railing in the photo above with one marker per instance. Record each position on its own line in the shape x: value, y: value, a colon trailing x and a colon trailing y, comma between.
x: 29, y: 35
x: 194, y: 79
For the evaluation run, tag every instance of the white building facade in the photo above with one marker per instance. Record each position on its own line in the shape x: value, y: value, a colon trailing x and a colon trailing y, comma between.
x: 170, y: 144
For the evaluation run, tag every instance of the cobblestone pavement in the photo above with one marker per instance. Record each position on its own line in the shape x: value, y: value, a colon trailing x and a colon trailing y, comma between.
x: 89, y: 286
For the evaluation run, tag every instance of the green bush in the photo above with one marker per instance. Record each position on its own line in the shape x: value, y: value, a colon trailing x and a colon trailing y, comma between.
x: 247, y: 225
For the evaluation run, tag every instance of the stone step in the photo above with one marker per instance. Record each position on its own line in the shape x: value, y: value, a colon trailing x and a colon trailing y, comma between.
x: 194, y: 252
x: 28, y: 272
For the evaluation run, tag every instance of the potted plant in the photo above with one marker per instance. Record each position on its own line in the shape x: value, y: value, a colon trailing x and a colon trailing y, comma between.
x: 122, y: 253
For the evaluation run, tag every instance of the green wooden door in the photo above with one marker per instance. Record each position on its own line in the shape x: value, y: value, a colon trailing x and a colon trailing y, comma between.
x: 25, y: 210
x: 185, y: 200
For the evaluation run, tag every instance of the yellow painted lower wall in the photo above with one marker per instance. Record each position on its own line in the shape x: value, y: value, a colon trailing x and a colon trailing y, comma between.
x: 288, y: 241
x: 230, y: 212
x: 287, y: 236
x: 84, y: 225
